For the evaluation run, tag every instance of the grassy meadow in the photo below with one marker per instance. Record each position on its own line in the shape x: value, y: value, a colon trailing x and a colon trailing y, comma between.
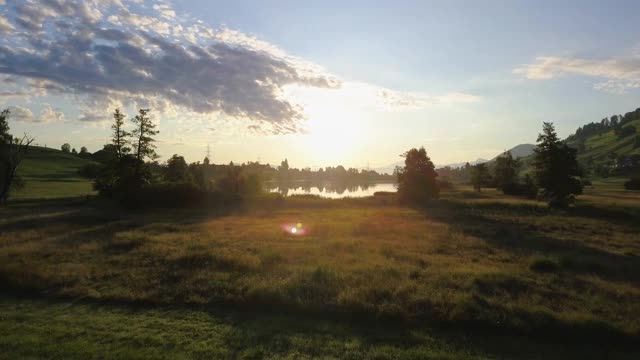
x: 50, y: 173
x: 473, y: 275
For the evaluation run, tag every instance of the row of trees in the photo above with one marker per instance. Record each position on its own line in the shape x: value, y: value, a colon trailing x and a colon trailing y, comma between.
x: 556, y: 173
x: 66, y: 148
x: 130, y: 171
x: 125, y: 170
x: 12, y: 151
x: 336, y: 174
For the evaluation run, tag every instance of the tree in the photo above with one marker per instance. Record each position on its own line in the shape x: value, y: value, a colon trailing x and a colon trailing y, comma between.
x: 176, y: 169
x: 417, y: 179
x: 284, y: 166
x: 12, y: 151
x: 74, y: 151
x: 144, y: 146
x: 119, y: 137
x: 84, y: 152
x: 66, y: 148
x: 206, y: 160
x: 480, y: 176
x: 556, y: 168
x: 506, y: 171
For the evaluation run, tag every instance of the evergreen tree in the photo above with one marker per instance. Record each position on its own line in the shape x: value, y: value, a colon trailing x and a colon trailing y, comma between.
x: 119, y: 139
x: 556, y: 168
x: 144, y: 146
x: 417, y: 179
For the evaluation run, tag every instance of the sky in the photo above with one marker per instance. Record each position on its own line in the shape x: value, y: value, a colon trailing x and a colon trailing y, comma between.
x: 322, y: 83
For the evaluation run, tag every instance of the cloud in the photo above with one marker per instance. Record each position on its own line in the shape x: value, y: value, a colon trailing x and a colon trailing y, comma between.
x: 619, y: 74
x: 47, y: 114
x: 103, y: 52
x: 5, y: 26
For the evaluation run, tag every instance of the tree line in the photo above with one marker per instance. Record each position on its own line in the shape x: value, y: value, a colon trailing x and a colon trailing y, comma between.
x: 129, y: 170
x: 556, y: 177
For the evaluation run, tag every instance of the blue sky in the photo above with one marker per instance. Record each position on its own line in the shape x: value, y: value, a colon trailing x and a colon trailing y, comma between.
x: 321, y: 83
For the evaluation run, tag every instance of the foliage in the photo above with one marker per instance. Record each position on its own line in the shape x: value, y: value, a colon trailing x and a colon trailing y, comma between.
x: 238, y: 184
x: 506, y: 171
x: 84, y: 152
x: 119, y: 136
x: 480, y: 176
x: 143, y: 143
x: 66, y: 148
x: 177, y: 170
x: 12, y: 152
x: 556, y: 168
x: 417, y: 179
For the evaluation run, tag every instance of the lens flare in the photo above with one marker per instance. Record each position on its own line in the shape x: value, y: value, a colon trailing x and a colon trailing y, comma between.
x: 296, y: 229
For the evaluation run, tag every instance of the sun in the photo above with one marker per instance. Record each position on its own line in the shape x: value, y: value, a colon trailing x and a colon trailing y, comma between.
x: 332, y: 123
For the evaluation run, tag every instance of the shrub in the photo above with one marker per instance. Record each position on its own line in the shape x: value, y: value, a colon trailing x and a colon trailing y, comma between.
x: 527, y: 189
x: 633, y: 184
x: 90, y: 171
x: 177, y: 195
x: 544, y: 264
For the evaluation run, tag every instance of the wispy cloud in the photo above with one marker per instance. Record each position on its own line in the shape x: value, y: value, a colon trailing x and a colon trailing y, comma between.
x: 618, y: 74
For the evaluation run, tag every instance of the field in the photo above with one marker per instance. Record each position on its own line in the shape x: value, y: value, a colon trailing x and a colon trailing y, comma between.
x: 50, y: 173
x: 474, y: 275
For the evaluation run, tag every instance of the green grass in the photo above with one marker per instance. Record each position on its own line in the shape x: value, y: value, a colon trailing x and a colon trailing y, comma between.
x: 63, y: 330
x: 50, y: 173
x: 473, y: 263
x: 598, y: 147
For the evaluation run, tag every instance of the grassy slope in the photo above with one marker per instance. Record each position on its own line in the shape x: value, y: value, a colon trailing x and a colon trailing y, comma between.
x: 472, y: 262
x: 50, y: 173
x: 599, y: 147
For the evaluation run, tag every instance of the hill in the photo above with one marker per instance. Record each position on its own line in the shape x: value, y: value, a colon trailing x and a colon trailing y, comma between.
x: 611, y: 146
x: 520, y: 151
x: 50, y: 173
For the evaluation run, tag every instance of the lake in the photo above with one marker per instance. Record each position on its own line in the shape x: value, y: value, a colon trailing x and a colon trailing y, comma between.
x: 328, y: 189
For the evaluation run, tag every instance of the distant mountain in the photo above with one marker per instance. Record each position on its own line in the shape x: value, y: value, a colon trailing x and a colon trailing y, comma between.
x: 461, y: 164
x: 518, y: 151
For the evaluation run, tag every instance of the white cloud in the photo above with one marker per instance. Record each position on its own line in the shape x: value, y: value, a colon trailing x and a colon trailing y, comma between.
x: 47, y: 114
x: 5, y: 26
x: 110, y: 52
x: 619, y: 74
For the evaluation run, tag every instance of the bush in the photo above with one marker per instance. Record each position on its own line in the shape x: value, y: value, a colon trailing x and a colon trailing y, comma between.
x: 527, y: 189
x: 177, y: 195
x: 544, y: 264
x: 90, y: 171
x: 633, y: 184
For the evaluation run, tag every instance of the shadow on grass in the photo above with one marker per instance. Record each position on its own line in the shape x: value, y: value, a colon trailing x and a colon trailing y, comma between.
x: 255, y: 333
x: 528, y: 239
x: 475, y: 315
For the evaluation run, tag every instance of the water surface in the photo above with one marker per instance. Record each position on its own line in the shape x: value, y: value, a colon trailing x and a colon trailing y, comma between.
x: 328, y: 189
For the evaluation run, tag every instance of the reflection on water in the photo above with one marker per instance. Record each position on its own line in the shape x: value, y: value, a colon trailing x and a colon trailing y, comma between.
x: 328, y: 189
